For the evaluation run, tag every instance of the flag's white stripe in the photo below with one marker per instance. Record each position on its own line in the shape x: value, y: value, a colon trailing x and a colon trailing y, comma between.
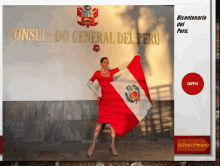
x: 143, y: 106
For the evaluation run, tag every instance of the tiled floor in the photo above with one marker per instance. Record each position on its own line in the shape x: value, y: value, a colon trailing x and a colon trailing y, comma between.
x: 128, y: 151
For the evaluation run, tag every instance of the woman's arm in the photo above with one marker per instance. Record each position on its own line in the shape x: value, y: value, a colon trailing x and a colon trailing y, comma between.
x: 89, y: 84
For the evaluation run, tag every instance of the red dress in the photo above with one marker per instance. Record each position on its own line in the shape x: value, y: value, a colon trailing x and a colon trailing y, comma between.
x: 107, y: 90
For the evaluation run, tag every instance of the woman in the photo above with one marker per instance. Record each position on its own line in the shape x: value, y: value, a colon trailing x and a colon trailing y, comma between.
x: 104, y: 78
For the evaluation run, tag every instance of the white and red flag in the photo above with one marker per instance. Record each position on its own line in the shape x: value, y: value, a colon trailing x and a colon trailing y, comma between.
x: 132, y: 99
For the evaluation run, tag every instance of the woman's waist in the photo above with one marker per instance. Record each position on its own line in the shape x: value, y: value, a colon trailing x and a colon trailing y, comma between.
x: 109, y: 92
x: 109, y: 95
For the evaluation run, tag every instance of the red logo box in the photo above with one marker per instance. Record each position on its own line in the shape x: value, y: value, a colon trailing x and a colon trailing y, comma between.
x: 192, y: 145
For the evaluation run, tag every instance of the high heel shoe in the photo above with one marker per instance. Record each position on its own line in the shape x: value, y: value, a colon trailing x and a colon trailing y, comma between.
x: 91, y: 153
x: 112, y: 151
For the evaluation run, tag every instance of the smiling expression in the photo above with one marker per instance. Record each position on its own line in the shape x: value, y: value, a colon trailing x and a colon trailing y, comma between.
x: 104, y: 64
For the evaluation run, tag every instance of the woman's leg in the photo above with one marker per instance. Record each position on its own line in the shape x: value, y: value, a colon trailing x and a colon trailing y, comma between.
x: 113, y: 141
x: 96, y: 133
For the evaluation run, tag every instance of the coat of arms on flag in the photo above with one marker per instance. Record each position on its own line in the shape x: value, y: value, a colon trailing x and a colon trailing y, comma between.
x: 87, y: 17
x: 133, y: 93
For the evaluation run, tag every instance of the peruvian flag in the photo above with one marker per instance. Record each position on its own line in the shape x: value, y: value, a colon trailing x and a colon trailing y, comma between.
x: 133, y: 99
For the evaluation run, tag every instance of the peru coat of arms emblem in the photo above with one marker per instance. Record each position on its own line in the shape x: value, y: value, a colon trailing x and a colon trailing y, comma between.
x: 133, y: 93
x: 87, y: 17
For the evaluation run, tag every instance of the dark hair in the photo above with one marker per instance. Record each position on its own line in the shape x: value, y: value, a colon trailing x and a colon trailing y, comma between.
x: 103, y: 58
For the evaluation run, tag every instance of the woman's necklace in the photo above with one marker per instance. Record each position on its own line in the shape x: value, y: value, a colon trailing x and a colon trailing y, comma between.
x: 104, y: 71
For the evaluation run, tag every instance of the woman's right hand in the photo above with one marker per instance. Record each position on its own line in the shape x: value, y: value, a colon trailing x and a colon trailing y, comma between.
x: 99, y: 95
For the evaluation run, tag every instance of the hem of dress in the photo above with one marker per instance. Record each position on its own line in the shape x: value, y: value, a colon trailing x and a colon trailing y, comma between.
x: 103, y: 122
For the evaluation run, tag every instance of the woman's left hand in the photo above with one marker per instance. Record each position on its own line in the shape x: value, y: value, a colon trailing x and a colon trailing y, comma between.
x: 98, y: 98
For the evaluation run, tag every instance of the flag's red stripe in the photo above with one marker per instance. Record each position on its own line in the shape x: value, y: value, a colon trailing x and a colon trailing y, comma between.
x: 136, y: 70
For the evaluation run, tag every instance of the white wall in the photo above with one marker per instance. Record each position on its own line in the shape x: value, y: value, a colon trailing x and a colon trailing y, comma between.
x: 36, y: 70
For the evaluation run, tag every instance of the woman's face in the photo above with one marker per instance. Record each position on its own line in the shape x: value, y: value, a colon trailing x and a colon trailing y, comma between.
x: 104, y: 63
